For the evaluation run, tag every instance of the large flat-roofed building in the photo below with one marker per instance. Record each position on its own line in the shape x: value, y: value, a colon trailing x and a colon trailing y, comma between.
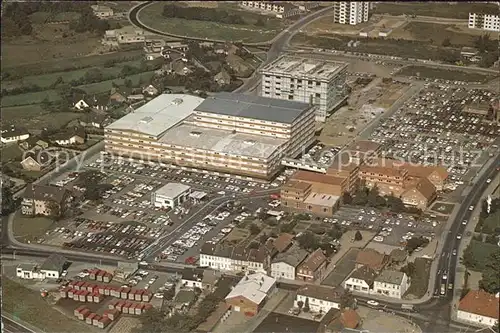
x: 232, y: 133
x: 314, y: 81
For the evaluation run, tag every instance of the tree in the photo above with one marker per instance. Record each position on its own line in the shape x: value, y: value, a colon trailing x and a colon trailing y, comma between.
x: 346, y: 198
x: 254, y: 245
x: 446, y: 42
x: 308, y: 241
x: 300, y: 304
x: 9, y: 204
x: 358, y: 236
x: 360, y: 197
x: 254, y: 229
x: 260, y: 22
x: 395, y: 204
x: 263, y: 238
x: 347, y: 299
x: 490, y: 281
x: 306, y: 305
x: 415, y: 242
x: 410, y: 269
x: 335, y: 232
x: 55, y: 209
x: 152, y: 320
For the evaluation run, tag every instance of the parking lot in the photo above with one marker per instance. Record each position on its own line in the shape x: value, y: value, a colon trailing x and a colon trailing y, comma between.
x: 433, y: 128
x: 393, y: 229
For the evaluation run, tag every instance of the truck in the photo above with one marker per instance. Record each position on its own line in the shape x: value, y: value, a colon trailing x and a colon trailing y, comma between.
x: 407, y: 307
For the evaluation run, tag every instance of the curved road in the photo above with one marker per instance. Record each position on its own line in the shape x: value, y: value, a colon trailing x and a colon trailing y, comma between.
x: 278, y: 43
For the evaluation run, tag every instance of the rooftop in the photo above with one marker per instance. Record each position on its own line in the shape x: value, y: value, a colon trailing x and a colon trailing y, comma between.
x: 253, y: 287
x: 158, y: 115
x: 364, y: 273
x: 481, y: 303
x: 172, y: 190
x: 293, y: 257
x: 283, y: 241
x: 299, y: 67
x: 54, y: 263
x: 390, y: 276
x: 321, y: 292
x: 314, y: 177
x: 371, y: 258
x: 364, y: 146
x: 297, y: 185
x: 44, y: 192
x: 253, y: 107
x: 314, y: 261
x: 222, y: 141
x: 276, y: 322
x: 321, y: 199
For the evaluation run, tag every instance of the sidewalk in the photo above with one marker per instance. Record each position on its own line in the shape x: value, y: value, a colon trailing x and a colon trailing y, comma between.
x: 460, y: 271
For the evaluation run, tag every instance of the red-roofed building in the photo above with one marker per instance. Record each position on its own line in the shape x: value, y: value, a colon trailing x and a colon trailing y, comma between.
x: 479, y: 307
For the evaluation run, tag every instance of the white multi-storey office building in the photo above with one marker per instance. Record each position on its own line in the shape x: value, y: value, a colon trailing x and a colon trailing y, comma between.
x: 351, y: 12
x: 313, y: 81
x: 489, y: 22
x: 234, y: 133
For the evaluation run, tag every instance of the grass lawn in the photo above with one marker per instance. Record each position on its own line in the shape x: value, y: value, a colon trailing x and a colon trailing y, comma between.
x: 420, y: 281
x: 33, y: 117
x: 481, y: 253
x: 444, y: 74
x: 443, y: 208
x: 11, y: 152
x: 30, y: 307
x: 459, y: 10
x: 30, y: 98
x: 342, y: 269
x: 46, y: 80
x: 152, y: 16
x: 438, y: 33
x: 41, y: 17
x: 30, y: 228
x: 105, y: 86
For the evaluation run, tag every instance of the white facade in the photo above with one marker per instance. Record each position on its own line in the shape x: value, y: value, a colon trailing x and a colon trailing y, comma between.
x: 282, y: 270
x: 357, y: 285
x: 484, y: 22
x: 171, y: 195
x: 50, y: 274
x: 391, y: 289
x: 81, y: 104
x: 351, y: 12
x: 229, y: 264
x: 476, y: 318
x: 316, y: 304
x: 318, y: 82
x: 69, y: 141
x: 29, y: 273
x: 14, y: 138
x: 192, y: 283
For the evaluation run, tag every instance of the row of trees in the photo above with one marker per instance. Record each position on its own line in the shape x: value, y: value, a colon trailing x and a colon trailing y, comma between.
x: 372, y: 198
x: 207, y: 14
x: 9, y: 203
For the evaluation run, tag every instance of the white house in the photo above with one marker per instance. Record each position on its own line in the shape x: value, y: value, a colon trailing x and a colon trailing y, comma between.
x: 81, y: 105
x: 171, y: 195
x: 479, y: 307
x: 101, y: 11
x: 361, y: 280
x: 391, y: 284
x: 13, y: 134
x: 53, y: 266
x: 192, y: 278
x: 29, y: 272
x: 236, y: 259
x: 320, y: 299
x: 285, y: 264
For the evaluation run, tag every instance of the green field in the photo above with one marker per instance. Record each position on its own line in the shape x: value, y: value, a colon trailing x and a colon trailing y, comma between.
x: 152, y: 16
x: 42, y: 17
x: 11, y: 152
x: 444, y: 74
x: 30, y: 98
x: 46, y: 80
x: 458, y: 10
x: 479, y: 253
x: 438, y: 33
x: 419, y: 282
x: 33, y: 117
x: 105, y: 86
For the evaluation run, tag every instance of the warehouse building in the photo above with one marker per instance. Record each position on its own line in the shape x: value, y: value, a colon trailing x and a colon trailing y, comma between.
x: 315, y: 81
x: 171, y: 195
x: 228, y: 132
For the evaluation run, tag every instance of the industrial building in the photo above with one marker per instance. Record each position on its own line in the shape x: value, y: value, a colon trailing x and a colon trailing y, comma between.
x: 351, y: 12
x: 171, y: 195
x: 488, y: 22
x: 233, y: 133
x: 314, y: 81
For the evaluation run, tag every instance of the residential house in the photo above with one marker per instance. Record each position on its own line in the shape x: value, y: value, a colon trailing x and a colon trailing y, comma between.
x: 210, y: 278
x: 125, y: 35
x: 29, y: 272
x: 53, y: 266
x: 283, y: 242
x: 391, y: 284
x: 371, y: 258
x: 94, y: 120
x: 251, y: 293
x: 102, y: 12
x: 150, y: 90
x: 192, y: 278
x: 33, y: 143
x: 420, y: 194
x: 284, y: 265
x: 14, y: 134
x: 119, y: 95
x: 361, y: 280
x: 222, y: 78
x: 320, y: 298
x: 313, y: 267
x: 479, y: 307
x: 179, y: 46
x: 135, y: 98
x: 45, y: 200
x: 230, y: 258
x: 153, y: 48
x: 36, y: 160
x: 96, y: 102
x: 72, y: 136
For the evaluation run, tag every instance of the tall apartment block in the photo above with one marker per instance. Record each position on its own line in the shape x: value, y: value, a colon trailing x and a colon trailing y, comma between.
x: 313, y: 81
x: 489, y: 22
x: 351, y: 12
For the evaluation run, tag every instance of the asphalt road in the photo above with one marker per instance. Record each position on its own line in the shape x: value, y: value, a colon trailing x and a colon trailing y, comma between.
x: 10, y: 326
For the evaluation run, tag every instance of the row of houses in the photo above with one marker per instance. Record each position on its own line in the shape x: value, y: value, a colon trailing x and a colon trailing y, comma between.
x: 81, y: 295
x: 359, y: 165
x: 282, y: 9
x: 107, y: 290
x: 132, y: 308
x: 85, y: 314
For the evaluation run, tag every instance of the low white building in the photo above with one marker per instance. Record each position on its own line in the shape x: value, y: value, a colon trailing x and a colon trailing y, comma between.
x: 52, y: 268
x: 13, y: 134
x: 361, y: 280
x: 319, y: 298
x: 236, y: 259
x: 171, y: 195
x: 284, y: 265
x: 479, y: 307
x: 391, y: 284
x: 29, y: 272
x: 251, y: 292
x: 192, y: 278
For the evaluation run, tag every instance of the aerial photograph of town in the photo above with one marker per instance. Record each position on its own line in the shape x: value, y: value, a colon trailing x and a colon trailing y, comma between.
x: 250, y: 167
